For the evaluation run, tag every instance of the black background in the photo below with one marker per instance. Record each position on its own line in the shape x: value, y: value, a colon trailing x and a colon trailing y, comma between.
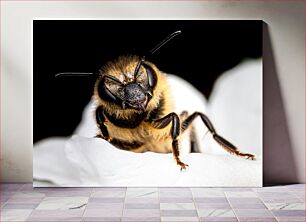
x: 203, y: 51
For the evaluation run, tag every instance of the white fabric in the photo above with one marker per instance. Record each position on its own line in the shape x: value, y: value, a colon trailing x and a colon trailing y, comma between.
x: 82, y: 160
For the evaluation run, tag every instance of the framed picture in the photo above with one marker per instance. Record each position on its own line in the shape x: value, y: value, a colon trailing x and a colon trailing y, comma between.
x: 147, y: 103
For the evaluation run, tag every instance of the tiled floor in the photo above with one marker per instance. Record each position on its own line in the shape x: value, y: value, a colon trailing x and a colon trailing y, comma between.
x: 20, y: 202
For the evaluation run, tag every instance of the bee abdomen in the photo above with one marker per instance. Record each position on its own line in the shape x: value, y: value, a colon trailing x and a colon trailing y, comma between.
x: 125, y: 145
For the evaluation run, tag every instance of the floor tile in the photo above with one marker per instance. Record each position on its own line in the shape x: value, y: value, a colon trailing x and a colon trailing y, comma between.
x: 114, y: 206
x: 210, y: 200
x: 178, y: 213
x: 167, y: 192
x: 57, y: 213
x: 62, y: 203
x: 141, y: 192
x: 176, y: 199
x: 179, y: 219
x: 257, y: 219
x: 10, y: 186
x: 216, y: 213
x: 141, y: 206
x: 101, y: 219
x: 106, y: 200
x: 20, y: 206
x: 240, y: 194
x: 219, y: 219
x: 14, y: 214
x: 140, y: 219
x: 206, y: 192
x: 285, y: 206
x: 236, y: 205
x: 142, y: 213
x: 255, y: 213
x: 244, y: 200
x: 289, y: 213
x: 224, y: 205
x: 142, y: 200
x: 103, y: 213
x: 177, y: 206
x: 110, y: 193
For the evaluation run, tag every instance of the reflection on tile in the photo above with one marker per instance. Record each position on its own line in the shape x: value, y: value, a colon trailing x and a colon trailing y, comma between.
x: 168, y: 192
x: 135, y: 192
x: 68, y: 194
x: 14, y: 215
x: 177, y: 206
x: 141, y: 219
x: 278, y: 189
x: 285, y: 206
x: 257, y: 219
x: 53, y: 219
x: 101, y: 219
x: 62, y: 203
x: 291, y: 219
x: 111, y: 193
x: 216, y: 213
x: 207, y: 192
x: 179, y: 219
x: 240, y: 194
x: 219, y: 219
x: 10, y: 186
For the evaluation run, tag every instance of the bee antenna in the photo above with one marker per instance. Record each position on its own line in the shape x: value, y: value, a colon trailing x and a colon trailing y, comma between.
x: 74, y: 74
x: 162, y: 43
x: 157, y: 47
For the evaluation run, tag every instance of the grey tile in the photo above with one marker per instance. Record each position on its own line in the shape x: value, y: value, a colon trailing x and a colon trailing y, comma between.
x: 219, y: 219
x: 210, y: 200
x: 142, y: 219
x: 142, y: 213
x: 141, y: 206
x: 178, y: 213
x: 105, y: 200
x: 289, y: 213
x: 255, y: 213
x: 176, y: 199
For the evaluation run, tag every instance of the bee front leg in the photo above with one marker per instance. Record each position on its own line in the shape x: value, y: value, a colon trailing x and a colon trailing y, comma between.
x: 229, y: 147
x: 100, y: 121
x: 175, y: 132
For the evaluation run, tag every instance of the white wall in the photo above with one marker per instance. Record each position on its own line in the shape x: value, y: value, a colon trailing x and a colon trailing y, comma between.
x: 285, y: 22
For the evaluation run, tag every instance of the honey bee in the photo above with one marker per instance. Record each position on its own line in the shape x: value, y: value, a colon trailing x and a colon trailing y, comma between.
x: 135, y: 108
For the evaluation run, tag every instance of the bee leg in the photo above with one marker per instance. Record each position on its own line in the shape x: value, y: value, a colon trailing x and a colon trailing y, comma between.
x: 229, y: 147
x: 100, y: 121
x: 175, y: 132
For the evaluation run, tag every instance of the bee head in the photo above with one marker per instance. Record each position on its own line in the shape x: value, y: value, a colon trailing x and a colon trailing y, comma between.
x: 119, y: 85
